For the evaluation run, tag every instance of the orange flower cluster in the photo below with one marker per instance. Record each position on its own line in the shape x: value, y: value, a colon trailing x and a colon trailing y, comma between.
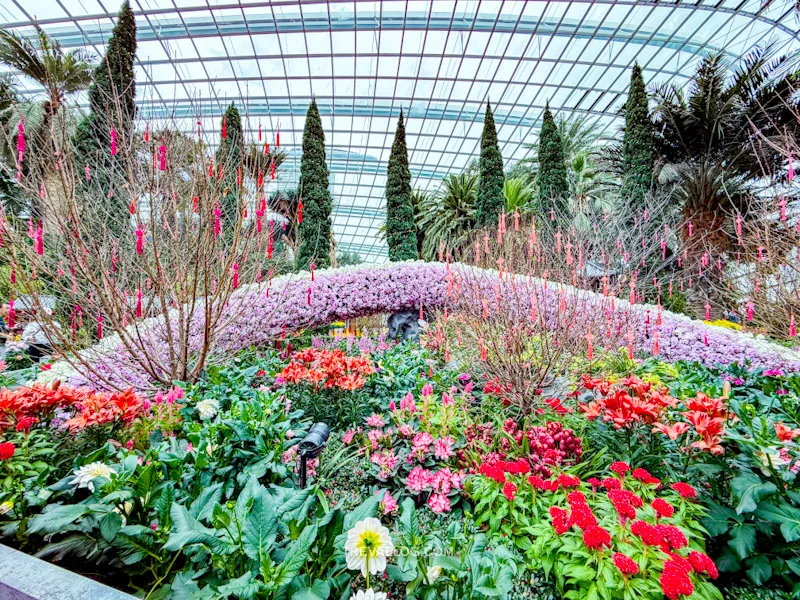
x: 328, y: 368
x: 629, y: 402
x: 632, y: 401
x: 91, y: 407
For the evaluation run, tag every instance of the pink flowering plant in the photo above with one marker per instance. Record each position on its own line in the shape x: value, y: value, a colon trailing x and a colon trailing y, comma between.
x: 414, y: 446
x: 627, y: 535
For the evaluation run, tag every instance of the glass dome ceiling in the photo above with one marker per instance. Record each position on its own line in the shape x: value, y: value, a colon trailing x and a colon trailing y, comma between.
x: 438, y: 61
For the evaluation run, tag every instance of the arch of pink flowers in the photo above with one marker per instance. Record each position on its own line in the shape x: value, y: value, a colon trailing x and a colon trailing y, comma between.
x: 296, y: 301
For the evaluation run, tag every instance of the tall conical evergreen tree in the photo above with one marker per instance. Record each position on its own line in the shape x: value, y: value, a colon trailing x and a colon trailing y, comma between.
x: 112, y: 104
x: 553, y: 185
x: 229, y: 158
x: 315, y: 230
x: 401, y: 231
x: 638, y: 145
x: 490, y: 201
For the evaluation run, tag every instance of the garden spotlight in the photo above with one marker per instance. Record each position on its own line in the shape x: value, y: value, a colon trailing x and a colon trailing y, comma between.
x: 311, y: 446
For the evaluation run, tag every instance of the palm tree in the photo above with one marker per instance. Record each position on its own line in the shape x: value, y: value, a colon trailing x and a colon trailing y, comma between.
x: 448, y: 217
x: 60, y: 73
x: 721, y: 140
x: 582, y: 145
x: 519, y: 195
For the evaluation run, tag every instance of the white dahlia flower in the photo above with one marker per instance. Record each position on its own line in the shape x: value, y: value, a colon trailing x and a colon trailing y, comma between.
x: 367, y: 546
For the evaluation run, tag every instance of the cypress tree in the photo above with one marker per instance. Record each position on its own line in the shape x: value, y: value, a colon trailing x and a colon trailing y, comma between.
x: 489, y: 201
x: 112, y: 103
x: 638, y: 145
x: 401, y: 231
x: 315, y: 230
x: 229, y: 158
x: 553, y: 186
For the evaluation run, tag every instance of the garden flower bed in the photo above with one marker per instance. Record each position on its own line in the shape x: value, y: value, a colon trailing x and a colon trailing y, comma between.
x: 644, y: 480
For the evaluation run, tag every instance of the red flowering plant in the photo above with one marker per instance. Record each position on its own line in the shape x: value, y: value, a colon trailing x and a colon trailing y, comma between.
x: 627, y: 535
x: 648, y: 417
x: 546, y: 447
x: 414, y: 447
x: 324, y: 383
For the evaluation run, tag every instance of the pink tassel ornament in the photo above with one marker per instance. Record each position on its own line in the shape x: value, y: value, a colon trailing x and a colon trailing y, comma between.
x: 113, y: 142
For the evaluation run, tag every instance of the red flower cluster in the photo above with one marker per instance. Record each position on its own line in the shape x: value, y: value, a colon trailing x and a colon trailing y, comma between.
x: 675, y: 580
x: 6, y: 451
x: 685, y: 490
x: 24, y: 406
x: 509, y: 491
x: 625, y: 564
x: 663, y: 508
x: 551, y: 445
x: 644, y: 476
x: 662, y: 535
x: 631, y: 401
x: 329, y: 368
x: 498, y: 469
x: 625, y: 503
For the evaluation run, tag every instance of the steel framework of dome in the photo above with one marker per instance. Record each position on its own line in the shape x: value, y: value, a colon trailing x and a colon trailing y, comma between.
x: 438, y: 61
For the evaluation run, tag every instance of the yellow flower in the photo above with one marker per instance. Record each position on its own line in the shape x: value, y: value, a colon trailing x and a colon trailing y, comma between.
x: 6, y: 507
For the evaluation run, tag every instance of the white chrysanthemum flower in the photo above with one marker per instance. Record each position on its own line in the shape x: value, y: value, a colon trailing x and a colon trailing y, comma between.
x: 369, y: 594
x: 207, y: 409
x: 433, y: 574
x: 367, y: 546
x: 84, y: 476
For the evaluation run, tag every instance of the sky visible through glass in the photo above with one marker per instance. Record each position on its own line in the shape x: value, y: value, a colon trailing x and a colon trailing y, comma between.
x: 438, y: 61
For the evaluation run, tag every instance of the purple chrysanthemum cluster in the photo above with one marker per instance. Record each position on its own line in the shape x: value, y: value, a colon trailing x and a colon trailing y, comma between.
x: 257, y: 317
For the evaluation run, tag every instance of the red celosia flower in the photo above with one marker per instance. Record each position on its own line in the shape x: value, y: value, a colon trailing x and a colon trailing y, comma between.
x: 568, y: 481
x: 6, y: 450
x: 596, y: 537
x: 510, y: 490
x: 536, y: 482
x: 620, y: 468
x: 673, y: 536
x: 560, y: 520
x: 594, y: 482
x: 625, y: 496
x: 582, y: 516
x: 611, y: 483
x: 642, y: 475
x: 25, y: 423
x: 648, y: 533
x: 702, y: 563
x: 625, y: 564
x: 684, y: 489
x: 576, y: 498
x: 493, y: 471
x: 675, y: 580
x: 663, y: 508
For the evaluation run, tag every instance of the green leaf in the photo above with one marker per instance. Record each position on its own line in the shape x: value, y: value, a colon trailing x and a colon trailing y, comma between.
x: 203, y: 506
x: 296, y: 555
x: 758, y: 569
x: 189, y: 531
x: 719, y: 518
x: 318, y: 590
x: 260, y: 528
x: 109, y: 526
x: 743, y: 540
x: 750, y: 490
x: 788, y: 517
x: 56, y: 518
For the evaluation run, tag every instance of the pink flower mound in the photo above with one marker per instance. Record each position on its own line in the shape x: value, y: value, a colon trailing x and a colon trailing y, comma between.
x: 349, y: 292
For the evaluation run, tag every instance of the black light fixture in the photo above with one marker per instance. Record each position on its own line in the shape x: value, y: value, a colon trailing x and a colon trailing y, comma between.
x: 311, y: 446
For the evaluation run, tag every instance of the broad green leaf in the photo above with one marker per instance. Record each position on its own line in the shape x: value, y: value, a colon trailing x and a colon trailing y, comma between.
x: 719, y: 519
x: 758, y: 569
x: 188, y: 531
x: 750, y: 490
x: 318, y: 590
x: 56, y: 518
x: 788, y: 517
x: 109, y: 526
x: 296, y: 555
x: 743, y: 540
x: 202, y: 507
x: 260, y: 528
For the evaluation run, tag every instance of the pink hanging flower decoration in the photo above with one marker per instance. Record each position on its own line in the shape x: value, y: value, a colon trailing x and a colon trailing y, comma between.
x: 162, y: 157
x: 99, y: 326
x: 113, y: 142
x: 20, y: 141
x: 139, y: 240
x: 235, y: 275
x: 39, y: 240
x: 138, y: 302
x: 217, y: 223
